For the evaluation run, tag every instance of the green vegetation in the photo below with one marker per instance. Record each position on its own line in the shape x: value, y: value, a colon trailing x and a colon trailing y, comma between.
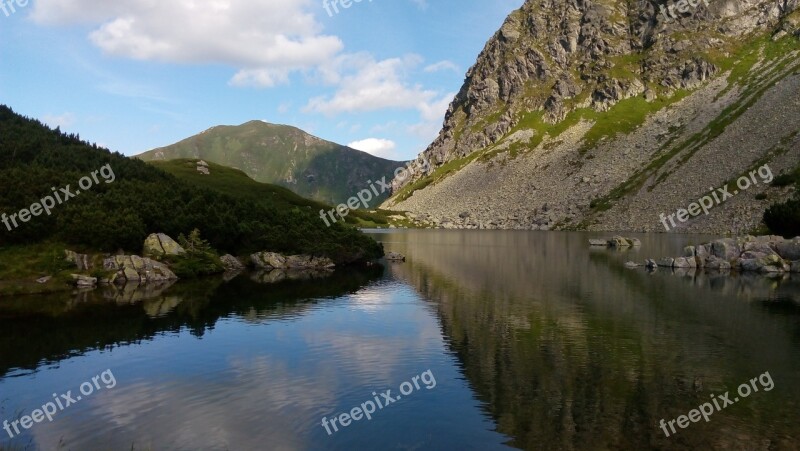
x: 144, y: 200
x: 199, y: 260
x: 783, y: 218
x: 284, y: 155
x: 237, y: 184
x: 757, y: 82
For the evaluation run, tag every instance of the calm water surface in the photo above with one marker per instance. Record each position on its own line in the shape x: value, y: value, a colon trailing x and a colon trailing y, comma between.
x: 535, y: 341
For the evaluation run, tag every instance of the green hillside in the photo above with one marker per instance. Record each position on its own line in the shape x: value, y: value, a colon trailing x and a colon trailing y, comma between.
x: 236, y: 183
x: 285, y: 156
x: 142, y: 199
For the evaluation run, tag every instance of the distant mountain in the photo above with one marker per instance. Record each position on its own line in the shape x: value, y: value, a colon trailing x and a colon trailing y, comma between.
x: 119, y: 212
x: 285, y: 156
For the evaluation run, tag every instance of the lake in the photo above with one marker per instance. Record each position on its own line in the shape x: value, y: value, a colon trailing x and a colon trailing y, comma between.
x: 485, y: 339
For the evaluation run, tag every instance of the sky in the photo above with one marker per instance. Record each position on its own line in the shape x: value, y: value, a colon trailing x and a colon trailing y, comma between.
x: 133, y: 75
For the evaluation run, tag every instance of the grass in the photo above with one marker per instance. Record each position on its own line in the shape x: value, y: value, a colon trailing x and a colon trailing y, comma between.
x: 21, y: 266
x: 741, y: 72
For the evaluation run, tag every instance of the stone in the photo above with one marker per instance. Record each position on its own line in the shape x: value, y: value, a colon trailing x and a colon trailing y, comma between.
x: 82, y: 281
x: 651, y: 263
x: 788, y: 250
x: 619, y: 241
x: 666, y: 262
x: 272, y: 260
x: 685, y: 262
x: 717, y: 263
x: 135, y: 269
x: 726, y: 249
x: 231, y: 263
x: 395, y: 257
x: 599, y: 243
x: 689, y: 251
x: 632, y: 265
x: 159, y: 245
x: 44, y: 279
x: 82, y: 261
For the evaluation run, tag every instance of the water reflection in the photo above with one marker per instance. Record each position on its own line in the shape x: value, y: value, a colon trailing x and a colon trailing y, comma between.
x: 571, y: 350
x: 41, y: 329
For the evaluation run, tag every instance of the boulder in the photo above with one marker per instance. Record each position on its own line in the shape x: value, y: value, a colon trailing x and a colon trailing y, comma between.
x: 685, y: 262
x: 726, y: 249
x: 650, y: 264
x: 717, y: 263
x: 82, y: 261
x: 689, y: 251
x: 272, y: 260
x: 82, y: 281
x: 231, y: 263
x: 632, y: 265
x: 619, y: 241
x: 666, y: 262
x: 159, y: 245
x: 599, y: 243
x: 395, y: 257
x: 788, y: 250
x: 135, y: 269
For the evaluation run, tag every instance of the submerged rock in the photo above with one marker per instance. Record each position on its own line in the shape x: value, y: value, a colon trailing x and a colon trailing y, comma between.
x: 395, y: 257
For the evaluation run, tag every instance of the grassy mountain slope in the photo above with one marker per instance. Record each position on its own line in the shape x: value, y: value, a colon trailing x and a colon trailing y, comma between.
x: 286, y: 156
x: 143, y: 199
x: 237, y: 184
x: 602, y: 116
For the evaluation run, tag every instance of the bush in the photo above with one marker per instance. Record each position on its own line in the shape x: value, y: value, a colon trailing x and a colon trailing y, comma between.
x: 784, y: 218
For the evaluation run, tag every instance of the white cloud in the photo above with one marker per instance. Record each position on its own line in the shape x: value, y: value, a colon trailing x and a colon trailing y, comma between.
x: 266, y: 41
x: 64, y: 120
x: 383, y: 148
x: 442, y: 65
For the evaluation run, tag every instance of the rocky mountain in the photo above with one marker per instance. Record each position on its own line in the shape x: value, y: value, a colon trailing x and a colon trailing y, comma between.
x: 603, y: 114
x: 286, y: 156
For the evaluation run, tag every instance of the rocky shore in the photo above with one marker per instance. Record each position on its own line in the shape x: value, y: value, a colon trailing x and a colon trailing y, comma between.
x: 763, y: 254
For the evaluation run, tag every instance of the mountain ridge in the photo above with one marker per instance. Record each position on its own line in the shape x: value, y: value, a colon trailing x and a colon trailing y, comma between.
x: 588, y: 116
x: 284, y: 155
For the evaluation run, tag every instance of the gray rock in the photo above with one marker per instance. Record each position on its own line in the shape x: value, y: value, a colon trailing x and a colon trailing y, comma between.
x: 272, y: 260
x: 395, y: 257
x: 135, y: 269
x: 632, y: 265
x: 44, y: 279
x: 689, y: 251
x: 788, y: 250
x: 603, y: 243
x: 685, y: 262
x: 82, y: 261
x: 231, y: 263
x: 651, y: 263
x: 159, y: 245
x: 82, y: 281
x: 666, y: 262
x: 717, y: 263
x: 726, y: 249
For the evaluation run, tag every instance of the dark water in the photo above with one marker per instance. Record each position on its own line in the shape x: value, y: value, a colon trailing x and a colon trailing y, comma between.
x: 525, y: 340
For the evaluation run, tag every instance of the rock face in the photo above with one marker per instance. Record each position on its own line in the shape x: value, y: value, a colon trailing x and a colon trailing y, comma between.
x: 272, y: 260
x: 159, y: 245
x: 135, y: 269
x: 763, y: 254
x: 526, y: 157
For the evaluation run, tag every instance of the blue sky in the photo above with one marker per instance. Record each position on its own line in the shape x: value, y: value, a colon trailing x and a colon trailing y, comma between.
x: 137, y: 74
